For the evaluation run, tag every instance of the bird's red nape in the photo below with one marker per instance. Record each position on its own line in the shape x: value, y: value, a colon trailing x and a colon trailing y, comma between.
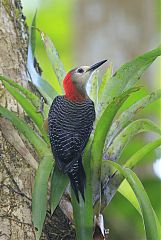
x: 71, y: 91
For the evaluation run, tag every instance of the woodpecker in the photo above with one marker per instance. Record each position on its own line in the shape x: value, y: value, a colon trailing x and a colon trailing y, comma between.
x: 70, y: 123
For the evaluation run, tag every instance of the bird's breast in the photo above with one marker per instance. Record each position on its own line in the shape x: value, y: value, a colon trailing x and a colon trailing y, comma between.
x: 72, y: 114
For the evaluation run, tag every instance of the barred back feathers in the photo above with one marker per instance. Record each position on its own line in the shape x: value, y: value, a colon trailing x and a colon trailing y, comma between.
x: 70, y: 125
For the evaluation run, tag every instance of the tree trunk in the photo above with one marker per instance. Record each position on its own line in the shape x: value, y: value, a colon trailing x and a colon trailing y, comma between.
x: 16, y: 161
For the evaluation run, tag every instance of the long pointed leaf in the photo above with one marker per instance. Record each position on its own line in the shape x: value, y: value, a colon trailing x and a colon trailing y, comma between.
x: 126, y: 77
x: 39, y: 196
x: 39, y: 145
x: 141, y: 153
x: 83, y: 217
x: 29, y: 95
x: 92, y: 87
x: 104, y: 81
x: 124, y: 119
x: 122, y: 139
x: 144, y: 202
x: 126, y: 191
x: 43, y: 86
x: 28, y: 108
x: 55, y: 60
x: 101, y: 130
x: 110, y: 185
x: 59, y: 183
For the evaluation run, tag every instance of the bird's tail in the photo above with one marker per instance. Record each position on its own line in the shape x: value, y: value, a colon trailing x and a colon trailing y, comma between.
x: 77, y: 177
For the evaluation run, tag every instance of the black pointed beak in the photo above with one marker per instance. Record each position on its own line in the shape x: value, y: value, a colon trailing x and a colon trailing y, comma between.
x: 96, y: 65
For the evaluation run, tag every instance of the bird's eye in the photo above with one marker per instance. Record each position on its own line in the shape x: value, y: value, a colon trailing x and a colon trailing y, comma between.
x: 80, y: 70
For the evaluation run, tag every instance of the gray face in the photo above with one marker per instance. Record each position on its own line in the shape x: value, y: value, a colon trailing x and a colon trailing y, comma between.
x: 80, y: 77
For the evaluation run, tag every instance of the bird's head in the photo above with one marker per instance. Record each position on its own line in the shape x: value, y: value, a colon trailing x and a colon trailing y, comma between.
x: 75, y: 82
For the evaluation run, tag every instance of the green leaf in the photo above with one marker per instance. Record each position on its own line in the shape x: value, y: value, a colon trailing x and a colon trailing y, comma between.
x: 124, y: 119
x: 39, y: 196
x: 83, y: 218
x: 141, y: 153
x: 126, y: 77
x: 39, y: 145
x: 54, y: 58
x: 126, y: 191
x: 28, y: 108
x: 104, y: 81
x: 124, y: 137
x: 100, y: 133
x: 42, y: 85
x: 29, y: 95
x: 110, y: 189
x: 83, y: 212
x: 144, y: 202
x: 92, y: 87
x: 59, y: 183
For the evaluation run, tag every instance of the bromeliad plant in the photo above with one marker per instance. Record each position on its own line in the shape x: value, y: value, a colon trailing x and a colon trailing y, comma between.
x: 105, y: 172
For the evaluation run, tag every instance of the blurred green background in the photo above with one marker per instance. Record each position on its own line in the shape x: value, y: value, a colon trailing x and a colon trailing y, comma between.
x: 86, y: 31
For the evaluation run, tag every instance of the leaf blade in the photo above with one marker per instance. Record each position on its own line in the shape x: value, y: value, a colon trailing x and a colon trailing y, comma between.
x: 123, y: 138
x: 101, y: 130
x: 39, y: 195
x: 104, y: 80
x: 42, y: 85
x: 36, y: 102
x: 110, y: 189
x: 126, y: 76
x: 59, y: 183
x: 28, y: 108
x: 92, y: 87
x: 124, y: 119
x: 144, y: 202
x: 38, y: 143
x: 138, y: 156
x: 54, y: 58
x: 128, y: 193
x: 29, y: 95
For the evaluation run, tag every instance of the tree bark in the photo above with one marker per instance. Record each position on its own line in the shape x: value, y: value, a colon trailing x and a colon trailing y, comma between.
x: 17, y: 163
